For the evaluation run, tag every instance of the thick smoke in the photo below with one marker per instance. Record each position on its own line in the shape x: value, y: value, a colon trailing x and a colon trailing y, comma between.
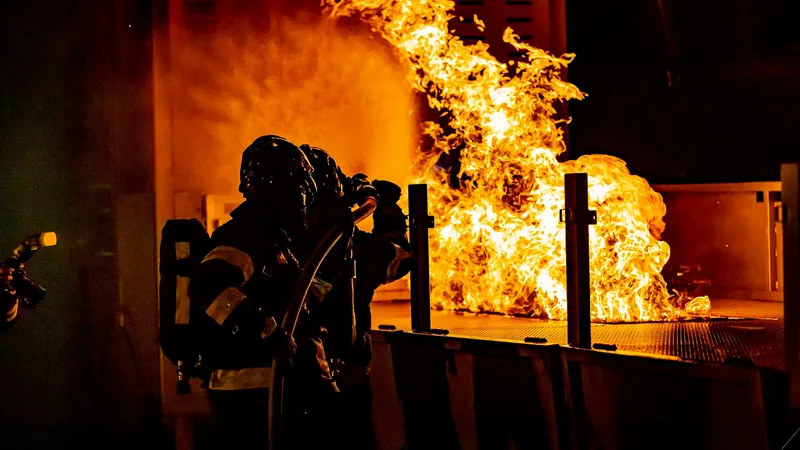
x: 304, y: 78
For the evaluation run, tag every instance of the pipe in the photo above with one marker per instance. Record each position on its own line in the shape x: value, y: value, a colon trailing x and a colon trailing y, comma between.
x: 351, y: 290
x: 577, y: 217
x: 790, y: 200
x: 419, y: 223
x: 315, y: 261
x: 296, y: 303
x: 359, y: 215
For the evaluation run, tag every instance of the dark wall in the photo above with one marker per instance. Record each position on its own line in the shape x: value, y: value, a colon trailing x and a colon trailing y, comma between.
x: 75, y: 106
x: 37, y: 360
x: 691, y: 92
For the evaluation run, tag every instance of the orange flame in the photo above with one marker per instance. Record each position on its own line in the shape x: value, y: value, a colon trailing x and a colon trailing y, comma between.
x: 498, y: 245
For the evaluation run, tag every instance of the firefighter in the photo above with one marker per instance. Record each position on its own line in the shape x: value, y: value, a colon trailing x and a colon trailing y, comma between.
x: 381, y: 257
x: 240, y: 291
x: 386, y: 257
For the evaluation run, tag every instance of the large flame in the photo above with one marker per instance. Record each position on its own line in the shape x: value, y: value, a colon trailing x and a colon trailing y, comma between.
x: 498, y: 245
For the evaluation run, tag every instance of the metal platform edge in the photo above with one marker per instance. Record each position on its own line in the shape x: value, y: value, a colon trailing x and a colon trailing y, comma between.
x: 507, y: 347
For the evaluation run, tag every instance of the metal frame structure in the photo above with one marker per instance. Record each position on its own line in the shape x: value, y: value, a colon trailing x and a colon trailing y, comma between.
x: 581, y: 365
x: 577, y: 217
x: 755, y: 214
x: 419, y: 223
x: 613, y: 401
x: 453, y: 392
x: 790, y: 200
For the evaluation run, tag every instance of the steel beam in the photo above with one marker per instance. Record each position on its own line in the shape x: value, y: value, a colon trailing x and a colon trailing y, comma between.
x: 577, y: 217
x: 419, y: 223
x: 791, y: 279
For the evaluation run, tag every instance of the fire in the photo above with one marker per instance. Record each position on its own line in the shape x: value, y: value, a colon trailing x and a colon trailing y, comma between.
x: 498, y: 245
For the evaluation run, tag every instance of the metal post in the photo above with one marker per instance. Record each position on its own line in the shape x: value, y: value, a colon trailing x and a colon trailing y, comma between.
x: 791, y: 278
x: 578, y: 217
x: 419, y: 223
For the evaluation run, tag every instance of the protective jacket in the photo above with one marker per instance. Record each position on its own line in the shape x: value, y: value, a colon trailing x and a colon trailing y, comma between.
x: 239, y: 294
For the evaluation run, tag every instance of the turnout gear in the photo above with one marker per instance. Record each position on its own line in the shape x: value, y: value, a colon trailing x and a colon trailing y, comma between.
x: 184, y: 243
x: 223, y: 297
x: 237, y: 285
x: 240, y: 290
x: 209, y: 328
x: 381, y: 256
x: 332, y: 206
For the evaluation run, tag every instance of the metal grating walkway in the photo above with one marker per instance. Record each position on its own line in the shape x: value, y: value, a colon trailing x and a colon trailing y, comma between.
x: 758, y: 338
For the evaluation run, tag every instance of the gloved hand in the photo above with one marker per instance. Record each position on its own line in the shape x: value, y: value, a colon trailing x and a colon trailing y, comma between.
x: 389, y: 192
x: 389, y: 218
x: 361, y: 188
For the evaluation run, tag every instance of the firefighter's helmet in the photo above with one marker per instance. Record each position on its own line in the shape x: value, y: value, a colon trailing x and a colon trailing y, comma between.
x: 327, y: 173
x: 273, y: 167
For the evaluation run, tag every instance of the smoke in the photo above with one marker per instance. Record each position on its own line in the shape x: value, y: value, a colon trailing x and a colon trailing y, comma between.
x: 302, y: 77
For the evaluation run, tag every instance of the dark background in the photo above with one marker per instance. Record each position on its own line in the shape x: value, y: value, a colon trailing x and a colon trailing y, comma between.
x: 76, y: 121
x: 696, y: 91
x: 705, y: 92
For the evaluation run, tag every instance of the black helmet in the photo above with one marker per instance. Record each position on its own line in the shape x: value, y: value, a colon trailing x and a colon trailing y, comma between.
x: 273, y: 167
x: 327, y: 173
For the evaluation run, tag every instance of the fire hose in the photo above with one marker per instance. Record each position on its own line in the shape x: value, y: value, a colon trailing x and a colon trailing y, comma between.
x: 296, y: 303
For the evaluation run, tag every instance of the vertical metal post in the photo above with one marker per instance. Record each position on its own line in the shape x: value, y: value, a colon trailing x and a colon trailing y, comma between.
x: 419, y: 223
x: 790, y: 199
x: 578, y: 217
